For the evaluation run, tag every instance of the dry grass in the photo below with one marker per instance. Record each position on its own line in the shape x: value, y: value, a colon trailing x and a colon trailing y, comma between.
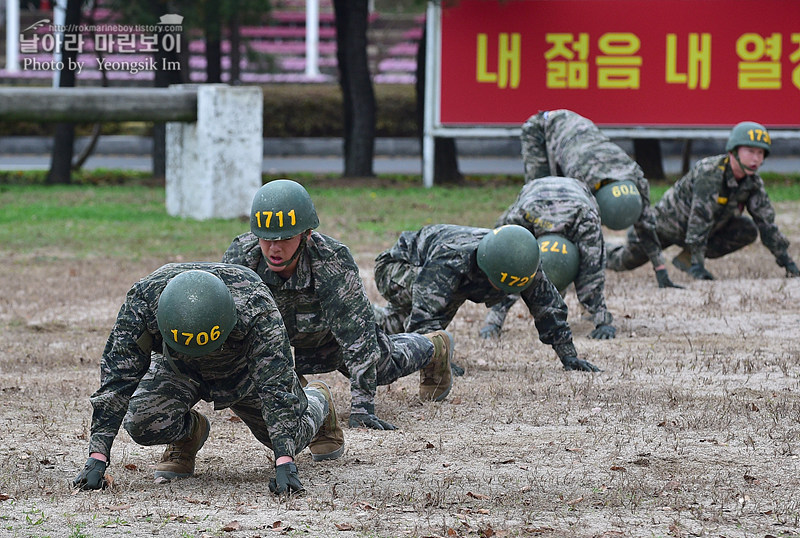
x: 692, y: 429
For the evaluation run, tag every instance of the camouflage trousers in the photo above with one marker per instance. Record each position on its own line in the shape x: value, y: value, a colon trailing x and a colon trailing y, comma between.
x: 395, y: 282
x: 737, y: 233
x: 158, y: 411
x: 400, y: 355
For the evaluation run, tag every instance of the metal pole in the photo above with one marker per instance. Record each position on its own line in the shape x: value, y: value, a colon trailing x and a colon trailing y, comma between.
x: 312, y: 38
x: 431, y: 86
x: 12, y: 36
x: 59, y: 18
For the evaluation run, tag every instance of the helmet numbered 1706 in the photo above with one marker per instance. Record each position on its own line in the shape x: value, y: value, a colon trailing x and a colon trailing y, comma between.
x: 620, y: 204
x: 196, y: 313
x: 281, y: 210
x: 509, y: 255
x: 560, y: 260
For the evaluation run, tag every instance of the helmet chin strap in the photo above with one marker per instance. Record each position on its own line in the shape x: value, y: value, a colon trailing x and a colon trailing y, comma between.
x: 746, y: 169
x: 296, y: 253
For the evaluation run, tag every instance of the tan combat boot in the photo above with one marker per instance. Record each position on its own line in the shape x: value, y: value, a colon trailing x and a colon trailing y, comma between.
x: 329, y: 441
x: 436, y: 379
x: 683, y: 260
x: 178, y: 459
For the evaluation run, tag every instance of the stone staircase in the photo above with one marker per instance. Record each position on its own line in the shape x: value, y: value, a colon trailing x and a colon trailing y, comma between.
x: 272, y: 50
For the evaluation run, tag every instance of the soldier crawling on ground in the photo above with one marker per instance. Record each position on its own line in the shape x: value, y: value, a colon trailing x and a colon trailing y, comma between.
x: 703, y: 211
x: 204, y: 331
x: 564, y: 143
x: 428, y: 274
x: 320, y: 294
x: 563, y: 215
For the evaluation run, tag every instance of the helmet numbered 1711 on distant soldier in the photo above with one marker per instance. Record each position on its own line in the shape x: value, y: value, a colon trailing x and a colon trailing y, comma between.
x: 620, y: 204
x: 509, y: 255
x: 196, y: 313
x: 560, y: 260
x: 281, y: 210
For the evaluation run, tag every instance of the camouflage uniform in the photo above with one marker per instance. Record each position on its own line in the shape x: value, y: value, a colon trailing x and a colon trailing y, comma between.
x: 427, y: 275
x: 563, y: 143
x: 702, y: 212
x: 152, y: 388
x: 330, y: 320
x: 563, y: 206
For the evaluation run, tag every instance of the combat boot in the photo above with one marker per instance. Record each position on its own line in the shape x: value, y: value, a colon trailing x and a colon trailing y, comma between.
x: 683, y: 261
x: 329, y: 441
x: 436, y: 378
x: 178, y: 459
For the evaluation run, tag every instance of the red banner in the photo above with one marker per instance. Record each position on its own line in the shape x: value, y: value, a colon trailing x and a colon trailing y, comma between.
x: 659, y: 63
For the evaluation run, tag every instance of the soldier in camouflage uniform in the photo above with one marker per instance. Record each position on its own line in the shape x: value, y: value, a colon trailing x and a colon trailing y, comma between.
x: 428, y: 274
x: 702, y: 212
x: 202, y: 331
x: 320, y: 294
x: 564, y: 143
x: 563, y: 206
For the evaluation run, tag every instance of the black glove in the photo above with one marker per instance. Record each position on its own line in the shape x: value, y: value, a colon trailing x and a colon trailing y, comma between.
x: 489, y: 331
x: 574, y: 363
x: 699, y: 272
x: 286, y: 480
x: 370, y: 420
x: 663, y: 280
x: 92, y: 476
x: 791, y: 270
x: 603, y: 332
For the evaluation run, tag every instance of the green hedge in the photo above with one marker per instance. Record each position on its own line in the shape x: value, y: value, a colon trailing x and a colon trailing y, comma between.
x: 290, y: 110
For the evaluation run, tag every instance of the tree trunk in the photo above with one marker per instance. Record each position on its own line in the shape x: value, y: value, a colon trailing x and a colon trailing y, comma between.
x: 164, y: 78
x: 64, y: 138
x: 358, y: 96
x: 213, y: 31
x: 445, y: 155
x: 234, y: 25
x: 647, y: 152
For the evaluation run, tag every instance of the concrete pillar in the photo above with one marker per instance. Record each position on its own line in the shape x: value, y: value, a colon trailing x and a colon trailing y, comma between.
x: 214, y: 165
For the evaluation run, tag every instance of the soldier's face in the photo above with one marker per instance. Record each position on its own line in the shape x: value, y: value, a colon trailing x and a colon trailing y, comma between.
x: 278, y: 252
x: 751, y: 157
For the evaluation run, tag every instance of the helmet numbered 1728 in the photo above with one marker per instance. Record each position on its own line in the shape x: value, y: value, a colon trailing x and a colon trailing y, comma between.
x: 560, y: 260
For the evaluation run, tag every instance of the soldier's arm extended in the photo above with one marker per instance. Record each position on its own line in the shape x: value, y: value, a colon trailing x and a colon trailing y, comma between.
x: 550, y: 316
x: 349, y: 316
x: 271, y: 368
x: 763, y: 213
x: 125, y: 361
x: 591, y: 278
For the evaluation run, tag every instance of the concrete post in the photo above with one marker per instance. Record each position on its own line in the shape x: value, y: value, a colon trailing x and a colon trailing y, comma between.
x: 214, y: 165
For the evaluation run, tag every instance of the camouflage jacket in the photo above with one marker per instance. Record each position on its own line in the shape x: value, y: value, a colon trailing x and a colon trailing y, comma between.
x: 564, y: 143
x: 323, y: 303
x: 448, y: 275
x: 255, y: 357
x: 706, y: 198
x: 564, y: 206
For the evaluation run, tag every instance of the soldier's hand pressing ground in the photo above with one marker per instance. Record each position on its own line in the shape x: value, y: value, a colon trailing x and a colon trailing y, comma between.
x: 699, y: 272
x: 369, y: 420
x: 286, y: 480
x: 574, y: 363
x: 662, y: 277
x: 603, y: 332
x: 92, y: 476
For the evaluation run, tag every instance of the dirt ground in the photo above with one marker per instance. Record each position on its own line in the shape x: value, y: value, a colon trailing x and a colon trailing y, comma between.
x: 691, y: 429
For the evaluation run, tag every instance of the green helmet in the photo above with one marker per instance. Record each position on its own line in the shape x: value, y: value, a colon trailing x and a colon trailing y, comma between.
x: 749, y: 133
x: 560, y: 260
x: 509, y: 255
x: 620, y: 204
x: 282, y: 209
x: 195, y: 313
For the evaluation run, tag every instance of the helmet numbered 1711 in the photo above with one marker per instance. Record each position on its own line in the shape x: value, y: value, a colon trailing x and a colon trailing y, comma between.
x: 281, y: 210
